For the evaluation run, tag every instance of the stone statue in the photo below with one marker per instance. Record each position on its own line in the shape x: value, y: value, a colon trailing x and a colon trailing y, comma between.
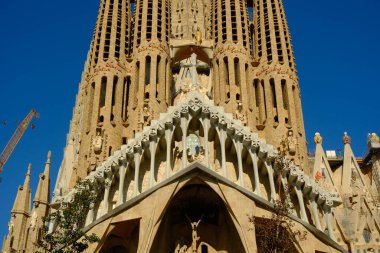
x: 195, y: 237
x: 239, y: 114
x: 97, y: 143
x: 10, y: 227
x: 292, y: 143
x: 199, y: 154
x: 198, y: 37
x: 346, y: 138
x: 373, y: 137
x: 318, y: 138
x: 193, y: 69
x: 180, y: 247
x: 147, y: 115
x: 188, y: 79
x: 289, y: 144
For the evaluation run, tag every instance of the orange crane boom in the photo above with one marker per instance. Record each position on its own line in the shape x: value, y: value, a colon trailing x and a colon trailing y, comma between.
x: 11, y: 145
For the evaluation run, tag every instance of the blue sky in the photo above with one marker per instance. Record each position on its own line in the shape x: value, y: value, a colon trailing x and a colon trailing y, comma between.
x: 44, y: 46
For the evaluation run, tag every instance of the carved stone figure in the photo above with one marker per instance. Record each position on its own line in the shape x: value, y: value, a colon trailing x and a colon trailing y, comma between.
x: 198, y: 37
x: 346, y: 138
x: 318, y: 138
x: 180, y: 248
x: 373, y: 137
x: 292, y: 143
x: 10, y: 227
x: 289, y: 144
x: 147, y: 115
x: 194, y: 234
x: 97, y: 143
x: 239, y: 114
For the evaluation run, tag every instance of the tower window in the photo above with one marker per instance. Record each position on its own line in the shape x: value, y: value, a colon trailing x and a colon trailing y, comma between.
x: 273, y: 89
x: 158, y: 66
x: 237, y: 72
x: 147, y: 70
x: 114, y: 88
x: 103, y: 90
x: 90, y: 104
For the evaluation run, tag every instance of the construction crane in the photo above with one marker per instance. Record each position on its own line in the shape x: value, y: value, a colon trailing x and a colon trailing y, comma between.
x: 11, y: 145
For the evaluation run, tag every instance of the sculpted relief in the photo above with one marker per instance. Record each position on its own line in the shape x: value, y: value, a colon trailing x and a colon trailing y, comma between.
x: 188, y: 79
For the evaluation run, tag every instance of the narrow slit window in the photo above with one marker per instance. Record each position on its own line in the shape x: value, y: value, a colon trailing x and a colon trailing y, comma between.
x: 103, y: 89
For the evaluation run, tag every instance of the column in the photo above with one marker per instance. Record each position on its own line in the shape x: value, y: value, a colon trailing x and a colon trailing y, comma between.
x: 327, y: 212
x: 184, y: 133
x: 255, y: 172
x: 271, y: 182
x: 301, y: 203
x: 222, y: 137
x: 152, y: 149
x: 168, y: 134
x: 137, y: 170
x: 314, y: 210
x: 206, y: 126
x: 239, y: 147
x: 122, y: 170
x: 107, y: 185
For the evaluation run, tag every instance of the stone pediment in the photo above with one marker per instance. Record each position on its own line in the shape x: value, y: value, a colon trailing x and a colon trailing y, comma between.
x: 130, y: 157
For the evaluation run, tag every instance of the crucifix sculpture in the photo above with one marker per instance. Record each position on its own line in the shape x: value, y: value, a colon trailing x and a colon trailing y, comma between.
x: 194, y: 234
x: 193, y: 69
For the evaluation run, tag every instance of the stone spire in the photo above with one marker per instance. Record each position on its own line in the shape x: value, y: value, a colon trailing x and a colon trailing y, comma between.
x: 151, y: 78
x: 40, y: 206
x: 22, y: 201
x: 98, y: 127
x: 351, y: 174
x: 19, y: 217
x: 275, y: 95
x: 43, y: 189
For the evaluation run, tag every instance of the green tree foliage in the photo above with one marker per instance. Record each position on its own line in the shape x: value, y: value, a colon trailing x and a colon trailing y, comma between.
x: 69, y: 219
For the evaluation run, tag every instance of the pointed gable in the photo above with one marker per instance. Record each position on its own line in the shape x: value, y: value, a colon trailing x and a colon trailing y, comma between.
x: 322, y: 172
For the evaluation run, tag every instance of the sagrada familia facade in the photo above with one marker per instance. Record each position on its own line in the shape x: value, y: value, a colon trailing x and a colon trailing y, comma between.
x: 184, y: 110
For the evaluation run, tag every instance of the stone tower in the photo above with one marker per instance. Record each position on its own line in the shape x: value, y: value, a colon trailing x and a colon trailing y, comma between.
x: 189, y: 117
x: 17, y: 226
x: 25, y: 226
x: 136, y: 64
x: 275, y: 105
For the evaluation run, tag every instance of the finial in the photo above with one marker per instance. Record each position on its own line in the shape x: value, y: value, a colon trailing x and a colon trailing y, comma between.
x: 346, y: 138
x: 318, y: 138
x: 29, y: 169
x: 49, y: 156
x: 373, y: 137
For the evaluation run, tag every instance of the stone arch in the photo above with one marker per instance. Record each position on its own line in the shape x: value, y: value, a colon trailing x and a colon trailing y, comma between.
x: 122, y: 238
x: 176, y: 147
x: 248, y: 175
x: 215, y: 152
x: 144, y: 171
x: 264, y: 180
x: 129, y: 181
x: 186, y: 52
x: 160, y: 160
x: 231, y: 160
x: 197, y: 201
x: 114, y: 192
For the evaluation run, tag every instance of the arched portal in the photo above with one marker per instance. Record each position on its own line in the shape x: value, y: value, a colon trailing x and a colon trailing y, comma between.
x: 197, y: 218
x: 123, y: 238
